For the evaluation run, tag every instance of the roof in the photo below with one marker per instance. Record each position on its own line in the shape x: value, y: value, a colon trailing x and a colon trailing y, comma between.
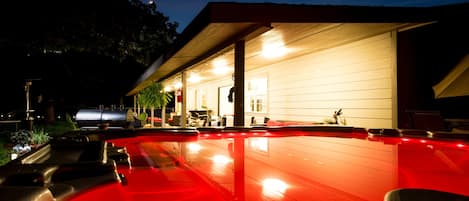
x: 220, y: 24
x: 456, y: 82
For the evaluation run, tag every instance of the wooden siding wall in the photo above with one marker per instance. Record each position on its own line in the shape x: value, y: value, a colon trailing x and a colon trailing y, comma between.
x: 357, y: 77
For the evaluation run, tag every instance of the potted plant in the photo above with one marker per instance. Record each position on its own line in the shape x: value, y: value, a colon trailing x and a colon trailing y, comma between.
x: 155, y: 97
x: 39, y: 136
x: 142, y: 117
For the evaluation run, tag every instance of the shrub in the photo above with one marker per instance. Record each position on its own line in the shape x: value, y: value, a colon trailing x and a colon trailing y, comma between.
x: 72, y: 125
x: 39, y: 136
x: 20, y: 137
x: 143, y: 117
x: 4, y: 154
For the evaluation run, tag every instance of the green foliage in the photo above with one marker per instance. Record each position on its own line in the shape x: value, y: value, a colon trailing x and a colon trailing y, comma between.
x: 58, y: 128
x: 39, y: 136
x: 4, y: 153
x: 20, y: 137
x: 69, y: 122
x: 154, y: 96
x: 119, y: 29
x: 143, y: 116
x: 4, y: 157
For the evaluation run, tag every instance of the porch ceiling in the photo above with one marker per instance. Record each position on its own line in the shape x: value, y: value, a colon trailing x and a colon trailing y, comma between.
x: 301, y: 29
x: 299, y: 39
x: 202, y: 43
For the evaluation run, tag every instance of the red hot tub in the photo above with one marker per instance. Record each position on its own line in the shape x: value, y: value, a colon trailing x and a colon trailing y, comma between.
x: 284, y: 163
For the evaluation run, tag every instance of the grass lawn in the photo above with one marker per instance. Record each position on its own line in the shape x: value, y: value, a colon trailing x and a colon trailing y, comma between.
x: 4, y: 153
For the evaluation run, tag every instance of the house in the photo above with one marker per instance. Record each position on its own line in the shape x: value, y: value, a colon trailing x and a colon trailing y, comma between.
x: 304, y: 62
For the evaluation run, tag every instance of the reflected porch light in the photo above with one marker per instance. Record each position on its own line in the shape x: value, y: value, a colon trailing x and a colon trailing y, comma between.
x: 219, y: 166
x: 221, y: 159
x: 167, y: 88
x: 194, y: 147
x: 259, y: 144
x: 274, y: 188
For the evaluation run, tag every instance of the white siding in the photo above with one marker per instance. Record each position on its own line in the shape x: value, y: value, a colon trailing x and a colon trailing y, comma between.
x: 357, y: 77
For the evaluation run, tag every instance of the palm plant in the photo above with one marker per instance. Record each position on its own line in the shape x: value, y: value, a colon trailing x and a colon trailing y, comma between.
x: 142, y: 102
x: 154, y: 97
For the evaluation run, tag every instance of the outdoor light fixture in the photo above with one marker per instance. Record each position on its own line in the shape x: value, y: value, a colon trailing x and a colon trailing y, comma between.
x: 194, y: 78
x: 178, y: 85
x: 220, y: 66
x: 273, y: 45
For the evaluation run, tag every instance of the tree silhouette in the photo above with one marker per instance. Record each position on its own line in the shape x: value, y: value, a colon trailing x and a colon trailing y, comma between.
x: 114, y: 28
x: 86, y: 52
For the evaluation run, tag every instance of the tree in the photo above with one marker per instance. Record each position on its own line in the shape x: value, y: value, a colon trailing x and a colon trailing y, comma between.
x: 91, y: 49
x: 154, y: 97
x: 114, y: 28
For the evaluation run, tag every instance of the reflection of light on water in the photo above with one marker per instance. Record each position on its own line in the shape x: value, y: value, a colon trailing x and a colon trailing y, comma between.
x: 219, y: 164
x: 221, y: 159
x: 273, y: 188
x: 260, y: 144
x: 194, y: 147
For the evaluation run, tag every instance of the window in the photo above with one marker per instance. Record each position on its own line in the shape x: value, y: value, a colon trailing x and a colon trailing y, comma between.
x: 257, y: 95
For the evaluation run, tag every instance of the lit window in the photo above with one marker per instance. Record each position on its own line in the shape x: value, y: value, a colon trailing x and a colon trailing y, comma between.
x: 257, y: 95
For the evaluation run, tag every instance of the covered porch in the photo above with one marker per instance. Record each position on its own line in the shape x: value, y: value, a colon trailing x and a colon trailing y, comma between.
x: 288, y: 63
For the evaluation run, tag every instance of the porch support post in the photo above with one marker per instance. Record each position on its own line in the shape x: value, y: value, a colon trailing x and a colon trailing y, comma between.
x: 138, y: 105
x: 135, y: 103
x: 184, y: 99
x: 239, y: 83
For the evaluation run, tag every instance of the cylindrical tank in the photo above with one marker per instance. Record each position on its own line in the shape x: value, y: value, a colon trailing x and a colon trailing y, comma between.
x: 97, y: 117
